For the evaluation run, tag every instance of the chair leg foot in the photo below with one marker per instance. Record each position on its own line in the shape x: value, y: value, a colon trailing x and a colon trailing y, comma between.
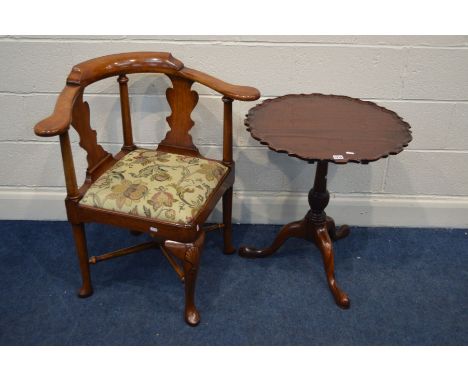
x: 191, y: 265
x: 86, y: 289
x: 192, y: 317
x: 190, y: 254
x: 85, y: 292
x: 229, y: 248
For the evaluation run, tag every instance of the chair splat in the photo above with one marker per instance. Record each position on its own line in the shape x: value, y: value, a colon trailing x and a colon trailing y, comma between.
x: 88, y: 137
x: 182, y: 101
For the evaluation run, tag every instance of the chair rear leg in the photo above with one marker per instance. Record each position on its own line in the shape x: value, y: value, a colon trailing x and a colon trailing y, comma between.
x: 86, y: 289
x: 227, y: 221
x: 190, y: 254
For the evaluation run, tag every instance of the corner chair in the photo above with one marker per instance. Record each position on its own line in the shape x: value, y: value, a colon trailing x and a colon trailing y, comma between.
x: 167, y: 192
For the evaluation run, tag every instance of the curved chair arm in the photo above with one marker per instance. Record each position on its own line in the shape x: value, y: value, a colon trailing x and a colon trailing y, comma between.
x: 237, y: 92
x: 59, y: 122
x: 87, y: 72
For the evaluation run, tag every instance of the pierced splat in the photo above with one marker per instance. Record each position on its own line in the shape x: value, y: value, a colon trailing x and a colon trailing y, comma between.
x: 88, y: 138
x: 182, y: 101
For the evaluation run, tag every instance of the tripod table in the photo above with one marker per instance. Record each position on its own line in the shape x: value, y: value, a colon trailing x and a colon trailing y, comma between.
x: 324, y: 128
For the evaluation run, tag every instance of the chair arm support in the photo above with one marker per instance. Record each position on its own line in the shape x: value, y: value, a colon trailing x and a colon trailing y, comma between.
x: 59, y: 121
x: 236, y: 92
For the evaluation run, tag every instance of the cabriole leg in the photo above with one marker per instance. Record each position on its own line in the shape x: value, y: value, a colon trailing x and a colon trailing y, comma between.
x: 336, y: 234
x: 322, y: 230
x: 294, y: 229
x: 324, y: 244
x: 190, y: 255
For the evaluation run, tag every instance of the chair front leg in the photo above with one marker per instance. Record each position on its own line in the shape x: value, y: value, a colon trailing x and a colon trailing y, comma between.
x: 227, y: 221
x: 86, y: 289
x: 190, y: 254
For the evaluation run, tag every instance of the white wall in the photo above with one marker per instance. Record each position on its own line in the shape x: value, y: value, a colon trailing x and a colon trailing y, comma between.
x: 423, y: 78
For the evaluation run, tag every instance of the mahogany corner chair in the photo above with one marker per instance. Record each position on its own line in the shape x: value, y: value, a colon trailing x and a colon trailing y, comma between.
x: 167, y: 192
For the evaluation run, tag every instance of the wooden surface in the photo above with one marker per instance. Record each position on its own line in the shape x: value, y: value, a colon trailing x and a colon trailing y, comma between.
x: 85, y: 73
x: 324, y: 128
x: 319, y: 127
x: 315, y: 227
x: 88, y: 72
x: 59, y: 121
x: 185, y: 240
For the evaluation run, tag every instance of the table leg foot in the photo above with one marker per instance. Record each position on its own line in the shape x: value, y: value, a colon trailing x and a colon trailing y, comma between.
x: 336, y: 234
x: 323, y: 241
x: 294, y: 229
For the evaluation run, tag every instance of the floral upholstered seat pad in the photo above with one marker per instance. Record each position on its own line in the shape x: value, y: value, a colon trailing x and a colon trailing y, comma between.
x: 157, y: 185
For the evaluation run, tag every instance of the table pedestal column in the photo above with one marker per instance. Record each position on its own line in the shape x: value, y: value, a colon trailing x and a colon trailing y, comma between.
x: 316, y: 227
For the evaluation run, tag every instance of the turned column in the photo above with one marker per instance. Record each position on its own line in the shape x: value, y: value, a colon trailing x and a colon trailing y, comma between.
x: 125, y: 111
x: 319, y: 196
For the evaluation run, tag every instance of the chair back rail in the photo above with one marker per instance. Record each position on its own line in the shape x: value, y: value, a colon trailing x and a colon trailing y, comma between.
x: 99, y: 68
x: 71, y: 109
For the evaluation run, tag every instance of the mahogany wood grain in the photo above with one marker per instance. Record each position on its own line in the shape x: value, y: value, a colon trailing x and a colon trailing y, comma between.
x: 227, y: 160
x: 189, y: 253
x: 123, y: 252
x: 79, y: 235
x: 293, y: 229
x: 68, y: 166
x: 99, y: 68
x: 182, y: 101
x: 336, y: 234
x: 59, y: 122
x: 227, y: 131
x: 322, y: 240
x: 88, y: 137
x: 125, y: 110
x: 186, y: 240
x: 227, y: 222
x: 236, y: 92
x: 174, y: 231
x: 324, y: 128
x: 87, y: 72
x: 315, y: 227
x: 96, y: 69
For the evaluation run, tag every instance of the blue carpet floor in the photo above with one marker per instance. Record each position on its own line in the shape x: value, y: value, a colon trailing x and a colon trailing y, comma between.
x: 407, y: 287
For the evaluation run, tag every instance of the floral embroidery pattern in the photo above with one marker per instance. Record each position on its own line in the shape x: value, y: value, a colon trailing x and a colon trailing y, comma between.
x: 211, y: 171
x: 158, y: 185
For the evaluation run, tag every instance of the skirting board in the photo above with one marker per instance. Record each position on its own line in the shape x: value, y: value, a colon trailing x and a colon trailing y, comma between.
x: 371, y: 210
